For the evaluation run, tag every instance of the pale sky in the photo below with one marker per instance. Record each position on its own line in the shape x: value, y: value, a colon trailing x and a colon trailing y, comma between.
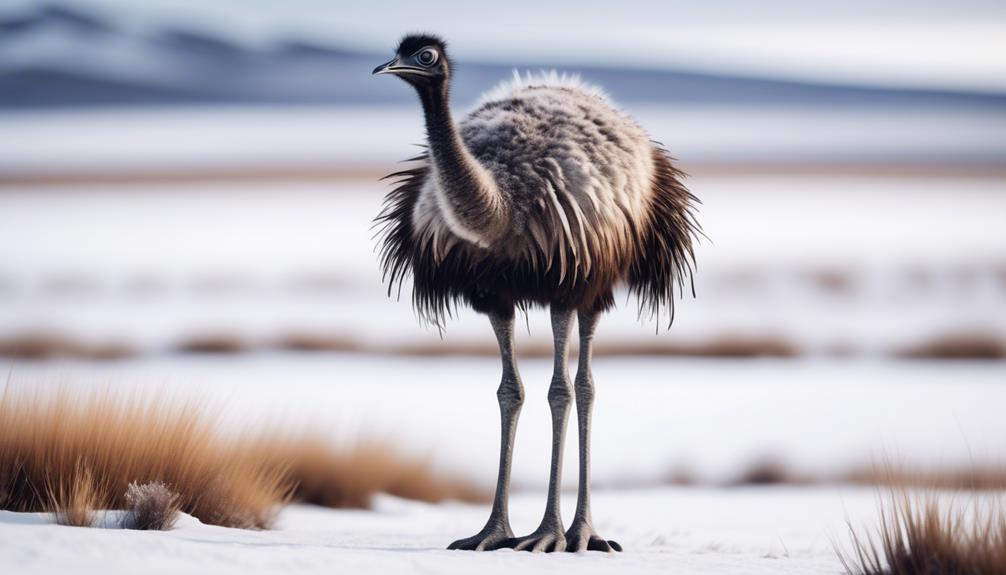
x: 923, y: 43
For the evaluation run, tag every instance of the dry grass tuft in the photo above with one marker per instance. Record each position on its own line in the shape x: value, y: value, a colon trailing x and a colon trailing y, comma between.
x: 87, y: 448
x: 958, y: 346
x: 926, y: 535
x: 350, y: 477
x: 768, y: 471
x: 974, y: 478
x: 303, y: 341
x: 151, y: 506
x: 216, y: 343
x: 73, y: 453
x: 74, y: 500
x: 40, y: 345
x: 722, y: 347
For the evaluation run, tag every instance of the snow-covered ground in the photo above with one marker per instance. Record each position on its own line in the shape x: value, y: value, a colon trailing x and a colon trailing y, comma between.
x: 829, y: 265
x: 853, y: 264
x: 861, y: 264
x: 53, y: 143
x: 655, y: 418
x: 680, y: 530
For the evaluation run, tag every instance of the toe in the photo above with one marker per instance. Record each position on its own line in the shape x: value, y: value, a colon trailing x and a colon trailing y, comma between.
x: 524, y: 544
x: 543, y: 543
x: 615, y: 546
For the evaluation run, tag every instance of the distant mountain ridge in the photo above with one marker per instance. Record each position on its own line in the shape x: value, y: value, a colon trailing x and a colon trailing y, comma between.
x: 59, y: 56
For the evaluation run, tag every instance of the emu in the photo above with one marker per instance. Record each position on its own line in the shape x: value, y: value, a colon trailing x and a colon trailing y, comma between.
x: 544, y: 195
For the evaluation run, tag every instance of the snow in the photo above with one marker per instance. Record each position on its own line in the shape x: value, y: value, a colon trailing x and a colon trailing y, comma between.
x: 687, y: 530
x: 654, y: 417
x: 150, y: 265
x: 180, y: 138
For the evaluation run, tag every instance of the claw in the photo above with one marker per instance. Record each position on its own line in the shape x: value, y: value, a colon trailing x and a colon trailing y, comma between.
x: 598, y: 544
x: 583, y: 538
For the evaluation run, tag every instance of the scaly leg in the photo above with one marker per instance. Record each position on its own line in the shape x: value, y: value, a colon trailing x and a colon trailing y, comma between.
x: 581, y: 535
x: 511, y: 397
x: 549, y: 536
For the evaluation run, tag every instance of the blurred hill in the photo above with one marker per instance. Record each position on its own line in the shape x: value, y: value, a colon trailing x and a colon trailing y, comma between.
x: 55, y: 55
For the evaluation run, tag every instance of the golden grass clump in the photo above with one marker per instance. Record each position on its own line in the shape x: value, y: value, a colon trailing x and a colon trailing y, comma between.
x: 961, y: 346
x: 63, y: 451
x: 75, y: 501
x: 924, y: 534
x: 351, y: 476
x: 976, y: 477
x: 73, y: 453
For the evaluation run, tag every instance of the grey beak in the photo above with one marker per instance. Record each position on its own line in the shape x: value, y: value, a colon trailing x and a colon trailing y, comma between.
x: 386, y: 68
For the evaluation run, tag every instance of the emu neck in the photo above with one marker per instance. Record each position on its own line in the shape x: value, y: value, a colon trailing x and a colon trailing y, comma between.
x: 466, y: 192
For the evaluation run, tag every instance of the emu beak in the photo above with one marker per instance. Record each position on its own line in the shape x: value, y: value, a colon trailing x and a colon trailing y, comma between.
x: 387, y: 67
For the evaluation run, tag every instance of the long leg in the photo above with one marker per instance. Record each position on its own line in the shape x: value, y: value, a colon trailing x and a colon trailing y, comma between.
x: 581, y: 535
x: 511, y: 398
x: 549, y: 536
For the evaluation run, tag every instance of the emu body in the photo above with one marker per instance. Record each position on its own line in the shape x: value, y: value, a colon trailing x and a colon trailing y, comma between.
x: 545, y: 194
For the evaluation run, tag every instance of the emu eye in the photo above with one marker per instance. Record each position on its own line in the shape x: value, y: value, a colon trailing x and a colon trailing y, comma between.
x: 427, y: 57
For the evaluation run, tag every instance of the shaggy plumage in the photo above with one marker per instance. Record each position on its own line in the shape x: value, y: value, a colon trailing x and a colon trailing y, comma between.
x: 590, y: 202
x: 545, y: 194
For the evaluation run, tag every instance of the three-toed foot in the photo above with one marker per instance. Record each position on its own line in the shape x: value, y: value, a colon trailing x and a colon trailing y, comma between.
x: 582, y: 537
x: 491, y: 537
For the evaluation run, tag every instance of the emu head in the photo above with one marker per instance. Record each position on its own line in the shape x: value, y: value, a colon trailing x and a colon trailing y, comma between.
x: 420, y: 60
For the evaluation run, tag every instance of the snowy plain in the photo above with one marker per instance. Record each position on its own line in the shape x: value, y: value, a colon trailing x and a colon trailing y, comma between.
x: 655, y: 420
x: 846, y: 269
x: 191, y: 138
x: 867, y: 265
x: 681, y: 530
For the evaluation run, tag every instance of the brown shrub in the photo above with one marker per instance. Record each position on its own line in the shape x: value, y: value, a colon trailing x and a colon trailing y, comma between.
x: 217, y: 343
x: 926, y: 535
x: 723, y: 347
x: 38, y: 345
x: 768, y: 471
x: 317, y: 342
x: 833, y: 281
x: 151, y: 506
x: 959, y: 346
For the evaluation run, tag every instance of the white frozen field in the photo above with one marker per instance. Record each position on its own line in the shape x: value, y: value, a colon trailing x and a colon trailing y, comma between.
x: 147, y: 266
x: 56, y: 142
x: 150, y: 265
x: 683, y: 530
x: 653, y: 417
